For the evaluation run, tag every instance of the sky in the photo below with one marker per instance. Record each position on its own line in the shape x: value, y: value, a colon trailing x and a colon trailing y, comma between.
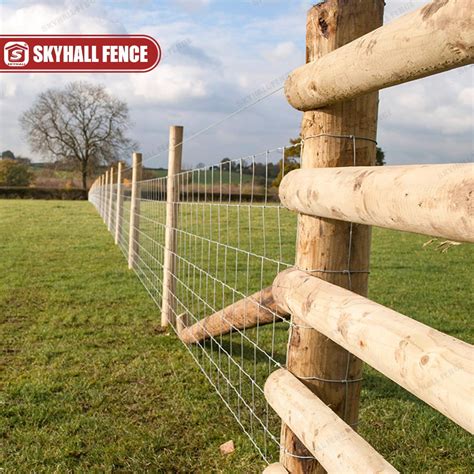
x: 221, y: 55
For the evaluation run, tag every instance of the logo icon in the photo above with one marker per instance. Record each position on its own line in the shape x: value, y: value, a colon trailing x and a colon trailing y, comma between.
x: 16, y: 54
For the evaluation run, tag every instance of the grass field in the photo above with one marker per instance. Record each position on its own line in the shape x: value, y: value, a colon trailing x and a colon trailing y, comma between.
x: 91, y: 384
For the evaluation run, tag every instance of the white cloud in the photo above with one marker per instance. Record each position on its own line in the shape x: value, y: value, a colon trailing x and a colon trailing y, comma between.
x: 170, y: 84
x: 222, y: 61
x: 466, y: 97
x: 192, y: 5
x: 282, y: 51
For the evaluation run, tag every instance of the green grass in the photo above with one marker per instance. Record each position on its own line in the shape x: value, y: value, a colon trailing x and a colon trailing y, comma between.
x: 90, y: 383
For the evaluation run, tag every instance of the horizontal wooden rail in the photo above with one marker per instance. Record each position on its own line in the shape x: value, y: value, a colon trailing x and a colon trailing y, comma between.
x: 428, y: 199
x: 432, y: 39
x: 257, y: 309
x: 275, y: 468
x: 435, y: 367
x: 329, y: 439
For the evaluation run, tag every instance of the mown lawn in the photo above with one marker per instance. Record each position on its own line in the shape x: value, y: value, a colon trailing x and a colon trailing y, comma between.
x: 91, y: 384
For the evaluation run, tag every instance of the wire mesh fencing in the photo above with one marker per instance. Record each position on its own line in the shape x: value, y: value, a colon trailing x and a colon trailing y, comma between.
x: 232, y: 237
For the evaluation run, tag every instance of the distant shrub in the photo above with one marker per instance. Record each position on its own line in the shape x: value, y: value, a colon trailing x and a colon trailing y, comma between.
x: 17, y: 192
x: 13, y: 173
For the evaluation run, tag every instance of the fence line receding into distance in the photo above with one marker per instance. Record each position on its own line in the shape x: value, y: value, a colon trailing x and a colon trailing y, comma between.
x: 230, y: 238
x: 240, y: 264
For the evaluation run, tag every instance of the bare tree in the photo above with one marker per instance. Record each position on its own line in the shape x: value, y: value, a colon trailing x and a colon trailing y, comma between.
x: 81, y: 123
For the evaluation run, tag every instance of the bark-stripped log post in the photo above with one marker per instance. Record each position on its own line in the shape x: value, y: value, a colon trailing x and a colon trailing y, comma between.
x: 432, y: 39
x: 99, y: 197
x: 103, y: 199
x: 133, y: 234
x: 168, y: 311
x: 102, y: 196
x: 427, y: 199
x: 323, y: 244
x: 259, y: 308
x: 119, y: 204
x: 111, y: 200
x: 337, y: 446
x: 435, y: 367
x: 106, y: 197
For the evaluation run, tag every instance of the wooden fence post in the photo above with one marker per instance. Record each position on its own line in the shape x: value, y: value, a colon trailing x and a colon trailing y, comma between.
x: 99, y: 197
x: 327, y: 248
x: 119, y: 204
x: 111, y: 199
x: 102, y: 196
x: 168, y: 311
x: 106, y: 197
x: 134, y: 210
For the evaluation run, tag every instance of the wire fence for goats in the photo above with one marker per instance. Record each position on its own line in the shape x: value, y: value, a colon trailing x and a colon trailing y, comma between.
x: 213, y: 246
x: 232, y: 237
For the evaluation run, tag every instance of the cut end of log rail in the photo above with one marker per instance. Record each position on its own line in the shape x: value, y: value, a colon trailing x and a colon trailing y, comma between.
x: 435, y: 38
x: 275, y: 468
x: 257, y: 309
x: 328, y: 438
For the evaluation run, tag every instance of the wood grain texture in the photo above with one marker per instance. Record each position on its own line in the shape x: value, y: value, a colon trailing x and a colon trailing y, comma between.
x: 435, y: 38
x: 257, y: 309
x: 275, y: 468
x: 435, y: 367
x: 334, y: 443
x: 175, y: 156
x: 325, y: 244
x: 133, y: 233
x: 435, y: 200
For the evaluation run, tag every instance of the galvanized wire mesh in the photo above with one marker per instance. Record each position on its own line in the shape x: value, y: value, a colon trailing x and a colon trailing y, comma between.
x: 233, y: 237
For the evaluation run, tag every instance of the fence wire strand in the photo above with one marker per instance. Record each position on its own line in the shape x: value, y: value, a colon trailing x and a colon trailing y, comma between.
x: 233, y: 238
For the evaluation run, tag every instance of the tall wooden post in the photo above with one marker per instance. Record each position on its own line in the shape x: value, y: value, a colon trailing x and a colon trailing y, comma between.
x: 102, y: 198
x: 106, y: 197
x: 119, y: 204
x: 134, y: 210
x: 99, y: 195
x: 327, y: 248
x: 111, y: 200
x: 168, y: 311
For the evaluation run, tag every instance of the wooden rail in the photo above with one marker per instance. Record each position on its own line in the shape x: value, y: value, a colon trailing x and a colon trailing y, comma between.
x: 435, y: 367
x: 257, y: 309
x: 435, y: 38
x: 333, y: 442
x: 436, y: 200
x: 275, y: 468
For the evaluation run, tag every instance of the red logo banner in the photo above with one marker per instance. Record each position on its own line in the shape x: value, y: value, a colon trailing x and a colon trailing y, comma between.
x: 78, y: 53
